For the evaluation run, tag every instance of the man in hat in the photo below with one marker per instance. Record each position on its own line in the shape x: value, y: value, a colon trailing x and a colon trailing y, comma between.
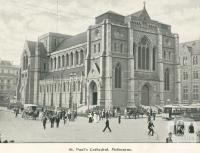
x: 107, y: 126
x: 169, y: 138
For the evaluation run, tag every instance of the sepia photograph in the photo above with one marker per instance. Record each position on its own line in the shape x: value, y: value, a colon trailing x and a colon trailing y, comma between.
x: 99, y: 71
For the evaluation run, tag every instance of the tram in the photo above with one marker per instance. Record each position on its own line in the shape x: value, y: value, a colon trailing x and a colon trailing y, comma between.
x: 172, y: 111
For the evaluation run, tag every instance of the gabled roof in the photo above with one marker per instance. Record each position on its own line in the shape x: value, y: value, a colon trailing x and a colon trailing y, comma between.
x: 192, y: 46
x: 75, y: 40
x: 66, y: 74
x: 110, y: 12
x: 141, y: 14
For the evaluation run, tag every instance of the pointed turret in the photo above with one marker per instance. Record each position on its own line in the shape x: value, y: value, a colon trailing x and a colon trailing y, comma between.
x: 143, y: 14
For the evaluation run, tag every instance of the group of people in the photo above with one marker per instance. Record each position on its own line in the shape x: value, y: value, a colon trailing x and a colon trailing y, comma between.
x: 179, y: 127
x: 56, y: 117
x: 96, y: 116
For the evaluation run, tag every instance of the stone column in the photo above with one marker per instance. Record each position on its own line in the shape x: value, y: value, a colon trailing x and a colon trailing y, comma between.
x: 177, y: 71
x: 108, y: 68
x: 160, y: 67
x: 130, y: 67
x: 87, y: 65
x: 102, y: 66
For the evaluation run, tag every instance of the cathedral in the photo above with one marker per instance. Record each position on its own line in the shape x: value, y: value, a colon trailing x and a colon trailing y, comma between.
x: 119, y: 61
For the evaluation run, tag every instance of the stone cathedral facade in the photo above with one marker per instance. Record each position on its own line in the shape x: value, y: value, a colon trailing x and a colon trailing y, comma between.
x: 118, y: 61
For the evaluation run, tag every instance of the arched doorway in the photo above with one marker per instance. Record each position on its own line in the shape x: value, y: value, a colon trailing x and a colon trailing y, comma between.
x: 93, y: 93
x: 145, y: 95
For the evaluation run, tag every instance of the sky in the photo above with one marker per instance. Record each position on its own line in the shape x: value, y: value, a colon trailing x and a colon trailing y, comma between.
x: 22, y: 20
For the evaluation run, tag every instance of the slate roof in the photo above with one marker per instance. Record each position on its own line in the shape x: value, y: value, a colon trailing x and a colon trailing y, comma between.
x: 193, y: 46
x: 110, y: 12
x: 75, y: 40
x: 141, y: 14
x: 65, y: 73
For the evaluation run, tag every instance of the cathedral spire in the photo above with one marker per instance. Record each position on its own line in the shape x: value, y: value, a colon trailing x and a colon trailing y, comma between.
x: 144, y: 7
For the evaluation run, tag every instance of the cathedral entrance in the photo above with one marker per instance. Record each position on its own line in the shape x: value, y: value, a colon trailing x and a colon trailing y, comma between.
x: 93, y: 93
x: 145, y: 95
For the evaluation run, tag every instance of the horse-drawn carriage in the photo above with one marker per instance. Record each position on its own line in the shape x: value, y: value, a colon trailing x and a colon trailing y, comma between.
x: 134, y: 112
x: 30, y: 111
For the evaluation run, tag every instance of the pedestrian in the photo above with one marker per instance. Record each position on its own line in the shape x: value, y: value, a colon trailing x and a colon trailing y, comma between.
x: 154, y: 115
x: 191, y: 128
x: 44, y: 121
x: 65, y: 118
x: 125, y: 112
x: 107, y: 114
x: 151, y: 112
x: 169, y: 138
x: 198, y: 136
x: 149, y: 117
x: 52, y: 121
x: 150, y: 127
x: 69, y: 115
x: 107, y: 126
x: 16, y: 112
x: 113, y: 112
x: 57, y: 121
x: 90, y: 118
x: 103, y: 114
x: 95, y: 118
x: 135, y: 114
x: 175, y: 125
x: 119, y: 118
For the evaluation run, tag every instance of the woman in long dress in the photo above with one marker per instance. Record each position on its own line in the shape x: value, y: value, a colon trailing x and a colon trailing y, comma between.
x: 95, y: 117
x: 90, y: 118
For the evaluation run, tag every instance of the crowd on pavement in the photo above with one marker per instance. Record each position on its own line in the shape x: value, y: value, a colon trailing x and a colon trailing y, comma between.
x: 95, y: 116
x: 55, y: 117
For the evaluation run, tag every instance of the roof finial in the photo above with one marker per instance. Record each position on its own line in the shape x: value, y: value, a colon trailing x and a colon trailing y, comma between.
x: 144, y: 4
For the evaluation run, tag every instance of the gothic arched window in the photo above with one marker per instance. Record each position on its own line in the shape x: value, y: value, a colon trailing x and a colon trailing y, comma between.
x: 59, y: 62
x: 167, y: 79
x: 76, y: 54
x: 81, y: 56
x: 79, y: 85
x: 134, y: 54
x: 51, y: 64
x: 143, y: 54
x: 71, y: 64
x: 118, y: 76
x: 195, y: 60
x: 63, y: 60
x: 74, y: 86
x: 55, y: 63
x: 121, y: 47
x: 154, y: 59
x: 67, y: 60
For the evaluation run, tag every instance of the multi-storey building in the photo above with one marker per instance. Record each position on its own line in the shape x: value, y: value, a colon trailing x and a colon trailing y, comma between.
x: 8, y: 81
x: 118, y: 61
x: 190, y: 69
